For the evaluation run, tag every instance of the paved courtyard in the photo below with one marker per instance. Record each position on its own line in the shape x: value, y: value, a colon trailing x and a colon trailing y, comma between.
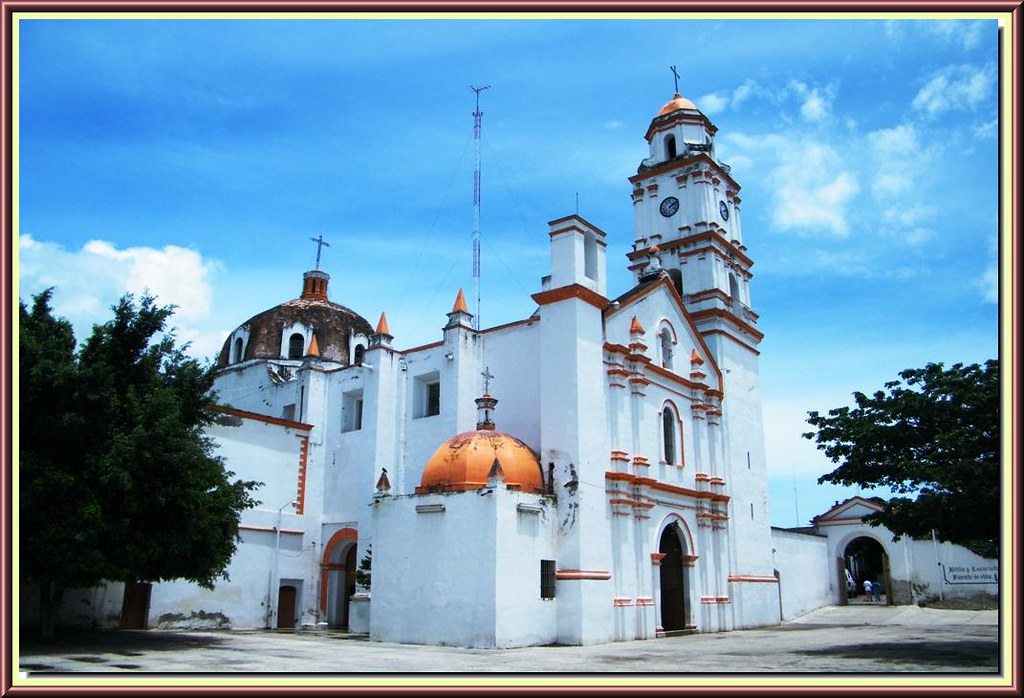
x: 838, y: 643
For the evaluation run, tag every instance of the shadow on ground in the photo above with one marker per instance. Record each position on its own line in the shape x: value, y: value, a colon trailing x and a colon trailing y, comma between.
x: 959, y: 653
x: 127, y: 643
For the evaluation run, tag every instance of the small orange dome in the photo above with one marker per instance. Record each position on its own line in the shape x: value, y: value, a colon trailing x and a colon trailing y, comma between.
x: 678, y: 102
x: 464, y: 461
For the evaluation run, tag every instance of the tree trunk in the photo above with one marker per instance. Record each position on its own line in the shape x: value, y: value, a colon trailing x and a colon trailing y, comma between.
x: 50, y: 596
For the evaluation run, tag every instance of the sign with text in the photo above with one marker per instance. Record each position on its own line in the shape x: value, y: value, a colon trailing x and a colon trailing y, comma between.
x: 970, y: 574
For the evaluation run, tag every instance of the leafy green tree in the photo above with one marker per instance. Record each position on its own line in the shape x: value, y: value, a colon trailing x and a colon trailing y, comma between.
x: 118, y: 480
x: 934, y: 434
x: 364, y: 575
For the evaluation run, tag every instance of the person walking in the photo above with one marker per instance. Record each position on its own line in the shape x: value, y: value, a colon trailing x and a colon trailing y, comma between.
x: 876, y: 590
x: 867, y: 588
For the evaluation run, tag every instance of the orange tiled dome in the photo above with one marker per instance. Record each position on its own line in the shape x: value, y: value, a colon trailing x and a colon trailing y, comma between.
x: 678, y: 102
x: 464, y: 461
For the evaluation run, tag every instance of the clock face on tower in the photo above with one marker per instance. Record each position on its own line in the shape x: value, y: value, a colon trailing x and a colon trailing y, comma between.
x: 723, y: 210
x: 669, y: 206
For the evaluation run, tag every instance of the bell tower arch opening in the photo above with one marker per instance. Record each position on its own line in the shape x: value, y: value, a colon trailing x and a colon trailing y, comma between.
x: 670, y: 147
x: 590, y: 267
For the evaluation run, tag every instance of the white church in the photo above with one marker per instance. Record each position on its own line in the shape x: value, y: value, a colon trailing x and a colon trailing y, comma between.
x: 592, y: 473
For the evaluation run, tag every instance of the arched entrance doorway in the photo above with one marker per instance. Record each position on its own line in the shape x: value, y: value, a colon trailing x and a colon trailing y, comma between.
x: 864, y: 558
x: 338, y: 578
x: 673, y: 580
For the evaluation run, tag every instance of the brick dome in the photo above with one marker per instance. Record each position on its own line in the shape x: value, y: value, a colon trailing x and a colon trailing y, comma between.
x: 332, y: 326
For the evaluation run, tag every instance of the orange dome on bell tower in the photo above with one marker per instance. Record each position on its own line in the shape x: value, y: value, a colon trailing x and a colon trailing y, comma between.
x: 677, y: 103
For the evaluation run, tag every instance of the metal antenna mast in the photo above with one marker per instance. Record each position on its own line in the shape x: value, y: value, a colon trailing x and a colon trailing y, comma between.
x: 476, y: 202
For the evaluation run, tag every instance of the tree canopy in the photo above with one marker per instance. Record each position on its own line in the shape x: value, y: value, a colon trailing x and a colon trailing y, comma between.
x: 117, y: 480
x: 933, y: 434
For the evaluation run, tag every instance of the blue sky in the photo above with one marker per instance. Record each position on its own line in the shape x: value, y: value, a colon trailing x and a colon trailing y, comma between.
x: 196, y: 158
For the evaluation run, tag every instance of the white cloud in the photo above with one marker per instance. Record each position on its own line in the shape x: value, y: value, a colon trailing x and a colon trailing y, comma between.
x: 815, y: 102
x: 87, y: 282
x: 814, y: 108
x: 988, y: 283
x: 841, y: 263
x: 894, y: 151
x: 744, y: 92
x: 812, y: 186
x: 918, y: 236
x: 614, y: 124
x: 173, y: 274
x: 956, y: 88
x: 907, y: 216
x: 966, y: 34
x: 987, y: 130
x: 741, y: 162
x: 900, y: 160
x: 203, y: 344
x: 897, y: 141
x: 812, y: 190
x: 713, y: 103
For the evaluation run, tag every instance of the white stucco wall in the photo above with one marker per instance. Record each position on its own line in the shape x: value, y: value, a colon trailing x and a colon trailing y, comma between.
x: 468, y: 575
x: 524, y: 538
x: 802, y: 562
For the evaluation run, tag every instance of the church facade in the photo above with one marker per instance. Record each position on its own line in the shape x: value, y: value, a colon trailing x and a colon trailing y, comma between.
x: 592, y: 473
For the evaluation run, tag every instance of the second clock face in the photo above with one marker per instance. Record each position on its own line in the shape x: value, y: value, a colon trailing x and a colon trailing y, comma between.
x: 724, y: 210
x: 669, y: 206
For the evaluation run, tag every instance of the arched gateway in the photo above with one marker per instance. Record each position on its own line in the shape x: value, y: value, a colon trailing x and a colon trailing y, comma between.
x: 337, y: 577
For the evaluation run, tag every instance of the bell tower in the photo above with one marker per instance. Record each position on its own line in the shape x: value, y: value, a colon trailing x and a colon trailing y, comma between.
x: 688, y: 227
x: 688, y: 223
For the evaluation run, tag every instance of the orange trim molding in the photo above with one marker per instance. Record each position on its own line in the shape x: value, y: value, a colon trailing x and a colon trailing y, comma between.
x: 256, y: 417
x: 571, y: 291
x: 422, y: 347
x: 300, y: 495
x: 752, y: 578
x: 271, y: 529
x: 583, y: 574
x: 729, y: 318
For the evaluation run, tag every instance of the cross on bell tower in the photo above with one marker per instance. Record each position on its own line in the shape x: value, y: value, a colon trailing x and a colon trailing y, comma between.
x: 320, y: 244
x: 675, y: 75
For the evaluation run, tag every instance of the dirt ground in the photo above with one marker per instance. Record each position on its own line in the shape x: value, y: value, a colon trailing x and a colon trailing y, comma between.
x: 978, y: 602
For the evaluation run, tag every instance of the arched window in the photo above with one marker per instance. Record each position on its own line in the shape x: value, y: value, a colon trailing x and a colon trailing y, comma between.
x: 665, y: 338
x: 296, y: 346
x: 238, y: 350
x: 359, y: 354
x: 670, y: 147
x: 668, y: 434
x: 734, y: 288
